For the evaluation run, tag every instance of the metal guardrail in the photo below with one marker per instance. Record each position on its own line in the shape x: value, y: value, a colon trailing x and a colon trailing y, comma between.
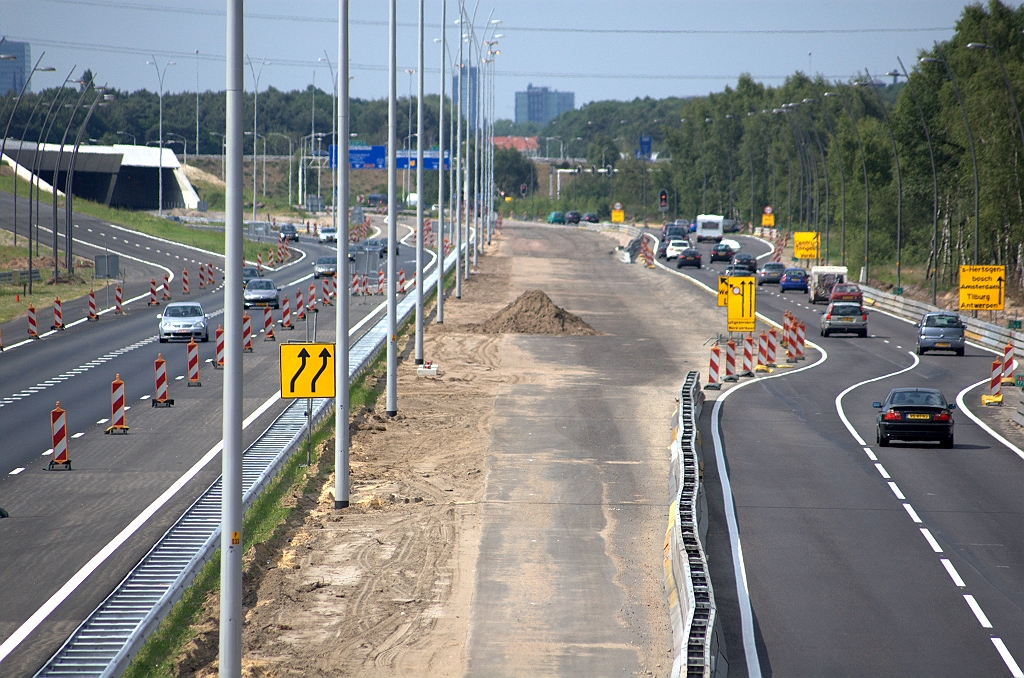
x: 104, y: 644
x: 8, y: 276
x: 696, y: 629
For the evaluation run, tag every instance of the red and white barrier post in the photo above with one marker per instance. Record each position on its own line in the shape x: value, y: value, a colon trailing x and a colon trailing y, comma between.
x: 366, y: 285
x: 790, y: 332
x: 167, y: 287
x: 117, y: 420
x: 271, y: 258
x: 995, y: 385
x: 801, y: 339
x: 714, y: 367
x: 160, y: 372
x: 762, y: 349
x: 152, y: 293
x: 325, y: 290
x: 193, y: 363
x: 334, y: 286
x: 772, y: 343
x: 184, y: 281
x: 401, y: 281
x: 730, y: 361
x: 748, y: 356
x: 246, y: 333
x: 355, y: 284
x: 259, y: 262
x: 300, y: 313
x: 93, y: 315
x: 268, y: 324
x: 202, y: 277
x: 218, y: 360
x: 1008, y: 364
x: 380, y: 281
x: 118, y: 299
x: 286, y: 313
x: 33, y: 329
x: 311, y: 304
x: 58, y: 314
x: 59, y: 436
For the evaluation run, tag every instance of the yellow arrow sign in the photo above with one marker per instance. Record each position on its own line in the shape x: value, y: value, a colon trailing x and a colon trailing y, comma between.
x: 307, y: 370
x: 723, y: 291
x: 982, y: 288
x: 742, y: 304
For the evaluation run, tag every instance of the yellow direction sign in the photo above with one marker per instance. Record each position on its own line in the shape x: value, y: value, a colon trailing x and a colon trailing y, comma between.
x: 805, y: 245
x: 768, y: 219
x: 982, y: 288
x: 618, y: 216
x: 723, y: 291
x: 307, y: 370
x: 742, y: 303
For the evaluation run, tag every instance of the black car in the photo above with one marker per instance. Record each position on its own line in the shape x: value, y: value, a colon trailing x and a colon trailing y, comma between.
x: 689, y: 257
x: 745, y: 259
x: 590, y: 218
x: 721, y: 252
x: 573, y: 217
x: 380, y: 245
x: 671, y: 231
x: 771, y: 273
x: 249, y: 273
x: 662, y: 247
x: 288, y: 232
x: 738, y: 272
x: 915, y: 414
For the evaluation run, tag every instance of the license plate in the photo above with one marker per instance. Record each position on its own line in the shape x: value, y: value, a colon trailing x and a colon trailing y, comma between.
x: 919, y: 416
x: 846, y: 320
x: 942, y: 344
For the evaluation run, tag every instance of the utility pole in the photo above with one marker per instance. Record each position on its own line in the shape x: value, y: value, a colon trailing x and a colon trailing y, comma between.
x: 440, y: 168
x: 341, y: 318
x: 419, y: 195
x: 392, y: 348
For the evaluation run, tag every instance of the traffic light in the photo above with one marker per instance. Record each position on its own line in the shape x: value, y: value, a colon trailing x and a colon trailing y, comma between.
x: 663, y: 201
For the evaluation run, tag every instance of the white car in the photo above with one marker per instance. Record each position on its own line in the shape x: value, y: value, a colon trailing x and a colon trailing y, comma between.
x: 183, y: 321
x: 674, y: 248
x: 733, y: 245
x: 328, y: 234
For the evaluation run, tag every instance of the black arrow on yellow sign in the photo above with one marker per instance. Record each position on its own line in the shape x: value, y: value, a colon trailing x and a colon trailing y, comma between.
x: 305, y: 354
x: 325, y: 355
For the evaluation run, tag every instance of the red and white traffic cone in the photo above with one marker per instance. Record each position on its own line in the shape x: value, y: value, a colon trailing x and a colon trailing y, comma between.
x: 401, y: 281
x: 184, y: 281
x: 995, y: 385
x: 325, y: 291
x: 762, y: 349
x: 246, y: 333
x: 380, y: 281
x: 211, y: 276
x: 801, y: 340
x: 118, y: 297
x: 286, y: 313
x: 300, y: 313
x: 33, y: 329
x: 790, y: 333
x: 93, y: 315
x: 730, y: 361
x: 366, y: 285
x: 58, y: 314
x: 268, y: 325
x: 160, y: 373
x: 117, y: 420
x: 167, y: 287
x: 202, y: 277
x: 218, y: 360
x: 259, y: 262
x: 355, y: 284
x: 748, y: 356
x: 714, y: 375
x: 772, y: 343
x: 59, y: 436
x: 193, y: 363
x: 1008, y: 364
x: 334, y: 286
x: 152, y: 293
x: 311, y: 303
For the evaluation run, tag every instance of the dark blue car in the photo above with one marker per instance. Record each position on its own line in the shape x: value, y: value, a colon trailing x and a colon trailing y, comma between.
x: 793, y: 279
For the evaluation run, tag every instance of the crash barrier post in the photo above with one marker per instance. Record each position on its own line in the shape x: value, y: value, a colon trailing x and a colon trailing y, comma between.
x: 995, y: 385
x: 355, y: 284
x: 193, y: 363
x: 789, y: 332
x: 401, y: 281
x: 167, y: 288
x: 218, y: 360
x: 380, y: 281
x: 325, y: 291
x: 211, y: 277
x: 801, y: 340
x: 748, y: 356
x: 152, y: 293
x: 268, y: 324
x: 118, y: 298
x: 117, y: 419
x: 714, y: 367
x: 271, y: 258
x: 259, y: 262
x: 59, y: 437
x: 93, y: 315
x: 286, y: 313
x: 246, y: 333
x: 33, y: 329
x: 202, y: 277
x: 366, y: 285
x: 300, y: 313
x: 1008, y: 364
x: 772, y: 343
x: 730, y: 361
x: 311, y: 303
x: 334, y: 286
x: 184, y: 281
x: 58, y: 314
x: 160, y: 371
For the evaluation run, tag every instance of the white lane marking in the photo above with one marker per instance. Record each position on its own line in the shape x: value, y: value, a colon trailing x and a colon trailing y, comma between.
x: 16, y: 471
x: 978, y: 612
x: 102, y: 421
x: 881, y: 469
x: 145, y: 397
x: 79, y: 434
x: 48, y: 452
x: 953, y: 574
x: 931, y: 540
x: 179, y: 377
x: 871, y: 455
x: 896, y: 490
x: 839, y: 398
x: 913, y: 514
x: 1007, y: 658
x: 69, y: 587
x: 988, y: 429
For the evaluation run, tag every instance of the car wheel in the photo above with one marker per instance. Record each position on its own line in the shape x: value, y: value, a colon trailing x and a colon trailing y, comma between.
x: 946, y: 442
x: 864, y: 334
x: 883, y: 441
x: 206, y: 337
x: 960, y: 351
x: 824, y: 333
x: 920, y: 350
x: 163, y: 340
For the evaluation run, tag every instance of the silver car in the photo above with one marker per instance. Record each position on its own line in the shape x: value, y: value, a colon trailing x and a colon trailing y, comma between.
x: 325, y: 266
x: 261, y: 292
x: 940, y: 332
x: 183, y: 320
x: 844, y: 316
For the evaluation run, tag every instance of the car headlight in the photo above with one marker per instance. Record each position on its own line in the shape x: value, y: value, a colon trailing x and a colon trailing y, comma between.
x: 199, y: 325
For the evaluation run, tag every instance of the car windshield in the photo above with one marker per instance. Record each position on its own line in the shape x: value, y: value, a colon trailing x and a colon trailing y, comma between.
x: 844, y: 288
x: 795, y: 273
x: 918, y: 398
x: 327, y: 260
x: 327, y: 229
x: 676, y: 243
x: 251, y: 272
x: 183, y: 312
x: 260, y: 285
x: 845, y: 309
x: 287, y: 228
x: 949, y: 321
x: 774, y: 268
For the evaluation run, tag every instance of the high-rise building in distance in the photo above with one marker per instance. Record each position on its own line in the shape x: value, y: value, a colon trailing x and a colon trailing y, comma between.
x: 542, y: 105
x: 468, y: 90
x: 14, y: 72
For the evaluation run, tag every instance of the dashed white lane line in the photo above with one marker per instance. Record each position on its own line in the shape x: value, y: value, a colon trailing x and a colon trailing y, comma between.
x: 978, y: 612
x: 931, y: 540
x: 1011, y: 663
x: 912, y: 513
x: 48, y: 452
x: 896, y: 490
x: 79, y: 434
x: 16, y: 471
x: 881, y: 469
x: 102, y: 421
x: 953, y: 574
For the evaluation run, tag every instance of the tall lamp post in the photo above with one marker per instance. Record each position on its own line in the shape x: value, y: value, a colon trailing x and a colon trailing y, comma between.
x: 842, y: 189
x: 334, y: 126
x: 255, y: 111
x: 160, y: 161
x: 970, y: 141
x: 899, y: 181
x: 290, y: 154
x: 56, y: 174
x: 864, y: 166
x: 44, y: 133
x: 408, y: 140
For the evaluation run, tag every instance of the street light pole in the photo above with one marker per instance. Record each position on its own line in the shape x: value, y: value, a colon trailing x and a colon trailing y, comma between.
x: 899, y: 182
x: 255, y: 113
x: 342, y: 405
x: 392, y: 338
x: 864, y: 165
x: 160, y: 160
x: 842, y: 191
x: 419, y: 191
x: 291, y: 153
x: 56, y: 174
x: 440, y: 168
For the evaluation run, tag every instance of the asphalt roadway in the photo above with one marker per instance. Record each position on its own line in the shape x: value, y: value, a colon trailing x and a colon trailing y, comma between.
x: 72, y: 536
x: 862, y: 560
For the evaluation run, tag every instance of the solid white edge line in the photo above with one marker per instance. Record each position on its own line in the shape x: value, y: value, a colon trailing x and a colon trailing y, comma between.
x: 931, y: 540
x: 985, y: 427
x: 1011, y: 663
x: 978, y: 612
x: 953, y: 574
x: 30, y: 624
x: 842, y: 394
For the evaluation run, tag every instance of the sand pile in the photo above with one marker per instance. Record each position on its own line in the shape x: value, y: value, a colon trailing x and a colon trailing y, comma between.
x: 534, y: 313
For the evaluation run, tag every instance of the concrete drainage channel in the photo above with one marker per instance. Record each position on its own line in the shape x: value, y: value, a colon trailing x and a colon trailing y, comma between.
x: 697, y: 637
x: 104, y: 644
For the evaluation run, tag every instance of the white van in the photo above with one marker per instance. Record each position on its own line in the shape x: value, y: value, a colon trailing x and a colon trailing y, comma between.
x: 709, y: 227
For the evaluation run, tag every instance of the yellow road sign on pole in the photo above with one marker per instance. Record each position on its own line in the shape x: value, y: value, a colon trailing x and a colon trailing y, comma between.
x: 307, y: 370
x: 982, y: 288
x: 723, y: 291
x: 768, y: 220
x: 618, y: 216
x: 805, y: 245
x: 742, y: 303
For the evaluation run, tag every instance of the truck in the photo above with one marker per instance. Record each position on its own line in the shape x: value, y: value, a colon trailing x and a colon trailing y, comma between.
x: 709, y: 227
x: 822, y: 279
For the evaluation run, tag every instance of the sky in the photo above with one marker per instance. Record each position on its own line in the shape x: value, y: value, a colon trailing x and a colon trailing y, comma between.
x: 599, y: 49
